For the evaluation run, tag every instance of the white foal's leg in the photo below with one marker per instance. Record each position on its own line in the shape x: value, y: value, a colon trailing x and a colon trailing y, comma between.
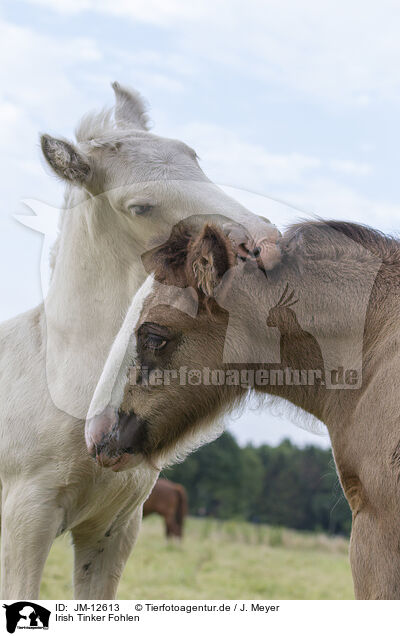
x: 100, y: 558
x: 30, y: 522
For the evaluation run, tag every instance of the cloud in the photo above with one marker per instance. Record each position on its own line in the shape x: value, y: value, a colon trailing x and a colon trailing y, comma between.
x: 302, y: 181
x: 39, y: 75
x: 351, y: 168
x: 330, y: 198
x: 334, y: 52
x: 153, y: 11
x: 235, y: 162
x: 305, y: 185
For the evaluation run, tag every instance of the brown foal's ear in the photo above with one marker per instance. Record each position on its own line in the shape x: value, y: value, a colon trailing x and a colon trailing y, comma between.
x: 167, y: 262
x: 210, y: 256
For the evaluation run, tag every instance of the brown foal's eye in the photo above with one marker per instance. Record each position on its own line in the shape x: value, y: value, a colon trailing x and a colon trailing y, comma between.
x: 153, y: 337
x: 154, y: 342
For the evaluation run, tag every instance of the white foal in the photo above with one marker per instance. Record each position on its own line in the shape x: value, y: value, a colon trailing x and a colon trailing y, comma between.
x: 126, y: 188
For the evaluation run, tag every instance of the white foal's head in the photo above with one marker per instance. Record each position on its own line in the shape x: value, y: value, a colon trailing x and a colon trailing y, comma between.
x: 141, y: 184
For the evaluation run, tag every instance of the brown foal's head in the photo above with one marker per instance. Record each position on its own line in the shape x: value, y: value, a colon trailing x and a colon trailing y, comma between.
x: 165, y: 407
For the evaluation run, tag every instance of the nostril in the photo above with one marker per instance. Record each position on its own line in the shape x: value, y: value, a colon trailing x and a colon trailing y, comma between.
x: 99, y: 427
x: 131, y: 433
x: 243, y: 251
x: 256, y: 252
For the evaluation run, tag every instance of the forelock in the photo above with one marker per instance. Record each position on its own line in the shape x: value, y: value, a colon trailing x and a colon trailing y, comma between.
x: 98, y: 129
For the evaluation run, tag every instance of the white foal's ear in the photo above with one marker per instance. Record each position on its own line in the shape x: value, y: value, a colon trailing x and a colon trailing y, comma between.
x: 130, y: 107
x: 66, y: 161
x: 210, y: 256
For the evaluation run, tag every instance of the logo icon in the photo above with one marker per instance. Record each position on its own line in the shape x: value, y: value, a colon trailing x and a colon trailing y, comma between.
x: 26, y: 615
x: 295, y: 343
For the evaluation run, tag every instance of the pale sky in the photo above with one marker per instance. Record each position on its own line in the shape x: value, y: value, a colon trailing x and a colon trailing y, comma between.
x: 294, y: 101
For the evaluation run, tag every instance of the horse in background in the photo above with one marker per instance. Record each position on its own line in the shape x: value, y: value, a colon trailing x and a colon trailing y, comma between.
x: 169, y: 500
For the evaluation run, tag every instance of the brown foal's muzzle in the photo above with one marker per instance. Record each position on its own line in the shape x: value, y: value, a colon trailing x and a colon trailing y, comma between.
x: 116, y: 440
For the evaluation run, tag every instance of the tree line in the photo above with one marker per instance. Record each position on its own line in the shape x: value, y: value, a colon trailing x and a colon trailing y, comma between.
x: 282, y: 486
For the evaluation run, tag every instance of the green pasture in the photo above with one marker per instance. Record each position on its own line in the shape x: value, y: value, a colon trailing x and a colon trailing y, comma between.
x: 220, y: 560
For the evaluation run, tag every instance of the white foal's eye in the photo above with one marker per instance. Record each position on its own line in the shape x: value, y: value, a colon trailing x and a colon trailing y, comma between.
x: 140, y: 210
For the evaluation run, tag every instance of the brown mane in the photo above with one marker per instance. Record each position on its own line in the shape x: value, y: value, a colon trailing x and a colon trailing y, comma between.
x: 306, y: 237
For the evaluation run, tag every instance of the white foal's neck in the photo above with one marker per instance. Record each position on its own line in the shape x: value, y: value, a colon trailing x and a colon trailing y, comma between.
x: 94, y: 279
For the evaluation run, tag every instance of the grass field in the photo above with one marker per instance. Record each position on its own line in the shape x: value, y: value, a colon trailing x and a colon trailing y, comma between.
x: 231, y: 559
